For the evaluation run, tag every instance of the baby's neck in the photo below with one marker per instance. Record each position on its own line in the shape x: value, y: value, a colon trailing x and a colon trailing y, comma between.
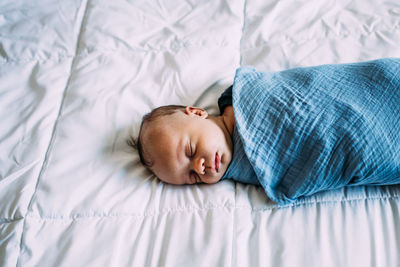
x: 228, y: 119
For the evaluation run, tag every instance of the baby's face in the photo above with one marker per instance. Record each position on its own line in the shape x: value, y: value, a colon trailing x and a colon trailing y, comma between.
x: 188, y: 147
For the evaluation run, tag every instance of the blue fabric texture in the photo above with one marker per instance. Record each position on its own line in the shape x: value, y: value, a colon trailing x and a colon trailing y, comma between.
x: 240, y: 168
x: 306, y: 130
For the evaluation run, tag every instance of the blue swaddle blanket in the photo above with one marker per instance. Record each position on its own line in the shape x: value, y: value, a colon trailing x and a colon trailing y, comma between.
x: 306, y: 130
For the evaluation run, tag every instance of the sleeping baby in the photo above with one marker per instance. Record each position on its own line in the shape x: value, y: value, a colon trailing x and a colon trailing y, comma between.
x: 294, y: 132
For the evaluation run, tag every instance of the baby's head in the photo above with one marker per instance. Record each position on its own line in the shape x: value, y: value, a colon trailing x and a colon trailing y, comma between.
x: 184, y: 145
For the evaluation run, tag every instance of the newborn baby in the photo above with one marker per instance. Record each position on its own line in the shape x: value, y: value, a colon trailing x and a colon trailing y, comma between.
x: 186, y: 145
x: 294, y: 132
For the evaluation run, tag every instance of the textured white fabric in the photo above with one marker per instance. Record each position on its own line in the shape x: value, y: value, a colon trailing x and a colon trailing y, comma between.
x: 76, y: 78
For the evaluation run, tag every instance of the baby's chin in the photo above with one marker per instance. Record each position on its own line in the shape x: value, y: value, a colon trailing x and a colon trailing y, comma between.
x: 218, y: 177
x: 216, y: 180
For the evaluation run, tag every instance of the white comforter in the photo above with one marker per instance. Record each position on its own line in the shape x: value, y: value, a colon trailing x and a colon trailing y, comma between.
x: 77, y: 76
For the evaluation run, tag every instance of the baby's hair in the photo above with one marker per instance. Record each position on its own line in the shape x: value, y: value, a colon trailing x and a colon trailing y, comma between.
x: 149, y: 117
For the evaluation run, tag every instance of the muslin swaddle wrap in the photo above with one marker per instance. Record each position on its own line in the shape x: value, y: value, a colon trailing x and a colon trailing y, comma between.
x: 306, y: 130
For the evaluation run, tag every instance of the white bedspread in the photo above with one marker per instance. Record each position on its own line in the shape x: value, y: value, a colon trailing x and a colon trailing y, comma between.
x: 77, y: 76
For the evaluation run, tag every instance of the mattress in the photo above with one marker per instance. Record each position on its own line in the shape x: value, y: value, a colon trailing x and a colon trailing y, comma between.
x: 76, y: 77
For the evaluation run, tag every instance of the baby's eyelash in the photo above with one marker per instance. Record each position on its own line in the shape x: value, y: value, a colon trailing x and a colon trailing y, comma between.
x: 191, y: 151
x: 188, y: 150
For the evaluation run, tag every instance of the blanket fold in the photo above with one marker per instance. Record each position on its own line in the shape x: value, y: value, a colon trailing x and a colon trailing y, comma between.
x: 306, y: 130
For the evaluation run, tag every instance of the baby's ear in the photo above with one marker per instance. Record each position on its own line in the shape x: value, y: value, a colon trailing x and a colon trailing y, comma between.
x: 194, y: 111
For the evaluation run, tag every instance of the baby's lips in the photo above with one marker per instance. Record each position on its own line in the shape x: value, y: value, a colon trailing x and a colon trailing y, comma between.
x: 217, y: 161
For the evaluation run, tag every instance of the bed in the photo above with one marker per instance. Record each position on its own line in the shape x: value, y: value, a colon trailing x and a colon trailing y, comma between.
x: 76, y: 77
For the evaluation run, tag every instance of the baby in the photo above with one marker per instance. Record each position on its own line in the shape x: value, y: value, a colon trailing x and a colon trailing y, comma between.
x: 294, y: 132
x: 186, y: 145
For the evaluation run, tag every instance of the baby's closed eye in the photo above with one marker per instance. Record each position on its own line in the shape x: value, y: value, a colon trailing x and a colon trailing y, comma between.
x: 190, y: 151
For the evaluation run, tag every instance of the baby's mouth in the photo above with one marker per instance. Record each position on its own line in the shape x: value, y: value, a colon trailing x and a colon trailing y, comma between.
x: 217, y: 161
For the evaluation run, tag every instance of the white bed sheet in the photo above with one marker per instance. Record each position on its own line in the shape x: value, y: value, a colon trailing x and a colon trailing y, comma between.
x: 77, y: 76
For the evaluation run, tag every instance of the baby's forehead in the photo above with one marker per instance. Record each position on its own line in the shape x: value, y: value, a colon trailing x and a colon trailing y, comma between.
x: 155, y: 133
x: 161, y: 134
x: 161, y: 150
x: 157, y: 127
x: 165, y: 122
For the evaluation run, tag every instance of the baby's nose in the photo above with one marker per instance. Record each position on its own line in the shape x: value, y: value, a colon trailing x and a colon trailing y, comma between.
x: 199, y: 165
